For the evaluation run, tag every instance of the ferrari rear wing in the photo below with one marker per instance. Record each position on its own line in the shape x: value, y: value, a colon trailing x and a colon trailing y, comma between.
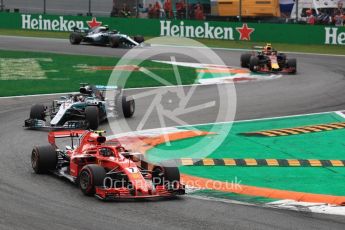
x: 64, y: 134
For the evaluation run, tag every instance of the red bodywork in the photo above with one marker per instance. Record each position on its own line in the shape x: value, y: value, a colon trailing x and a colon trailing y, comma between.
x: 88, y: 152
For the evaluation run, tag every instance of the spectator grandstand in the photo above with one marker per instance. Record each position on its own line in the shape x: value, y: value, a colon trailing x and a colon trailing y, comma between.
x: 306, y: 11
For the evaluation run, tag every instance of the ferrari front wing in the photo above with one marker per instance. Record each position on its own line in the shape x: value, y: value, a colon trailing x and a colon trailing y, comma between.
x: 125, y: 193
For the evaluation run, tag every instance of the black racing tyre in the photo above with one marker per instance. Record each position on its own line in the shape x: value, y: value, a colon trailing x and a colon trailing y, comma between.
x: 245, y: 58
x: 75, y: 38
x: 43, y: 159
x: 92, y: 117
x: 253, y: 63
x: 114, y: 42
x: 128, y: 107
x: 292, y: 63
x: 139, y: 39
x: 168, y: 176
x: 90, y: 177
x: 37, y: 112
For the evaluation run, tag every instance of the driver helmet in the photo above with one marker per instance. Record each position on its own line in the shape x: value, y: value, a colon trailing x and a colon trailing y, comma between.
x: 268, y: 48
x: 106, y: 152
x: 81, y: 98
x: 120, y: 149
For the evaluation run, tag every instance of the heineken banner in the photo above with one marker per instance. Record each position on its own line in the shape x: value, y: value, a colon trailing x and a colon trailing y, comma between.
x: 279, y: 33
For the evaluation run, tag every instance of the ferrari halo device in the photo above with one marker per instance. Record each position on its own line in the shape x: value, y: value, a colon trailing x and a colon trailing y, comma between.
x: 101, y: 35
x: 104, y: 169
x: 268, y: 60
x: 85, y: 109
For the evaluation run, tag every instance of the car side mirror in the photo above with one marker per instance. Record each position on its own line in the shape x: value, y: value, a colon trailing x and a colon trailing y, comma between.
x: 137, y: 157
x: 125, y: 154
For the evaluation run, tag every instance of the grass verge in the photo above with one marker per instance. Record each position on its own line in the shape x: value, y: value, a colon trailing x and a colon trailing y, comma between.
x: 25, y: 73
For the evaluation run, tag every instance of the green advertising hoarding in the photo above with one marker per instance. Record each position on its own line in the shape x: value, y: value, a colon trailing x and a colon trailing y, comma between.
x: 263, y: 32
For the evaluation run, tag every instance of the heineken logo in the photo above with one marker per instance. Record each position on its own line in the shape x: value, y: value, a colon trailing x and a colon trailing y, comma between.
x: 333, y: 37
x: 205, y: 31
x: 31, y: 22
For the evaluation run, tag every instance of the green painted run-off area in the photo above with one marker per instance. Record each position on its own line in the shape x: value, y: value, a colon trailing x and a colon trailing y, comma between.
x: 319, y: 145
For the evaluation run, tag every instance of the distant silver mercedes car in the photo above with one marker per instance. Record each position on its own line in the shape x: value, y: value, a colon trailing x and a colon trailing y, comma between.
x: 101, y: 35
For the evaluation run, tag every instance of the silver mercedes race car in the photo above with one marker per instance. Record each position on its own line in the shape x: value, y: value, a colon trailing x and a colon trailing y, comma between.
x: 85, y: 109
x: 101, y: 35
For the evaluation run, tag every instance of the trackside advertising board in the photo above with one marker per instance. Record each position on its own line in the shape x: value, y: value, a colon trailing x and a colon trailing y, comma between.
x: 262, y: 32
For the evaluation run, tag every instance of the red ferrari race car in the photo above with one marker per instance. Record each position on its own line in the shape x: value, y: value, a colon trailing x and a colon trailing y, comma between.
x: 268, y: 60
x: 106, y: 170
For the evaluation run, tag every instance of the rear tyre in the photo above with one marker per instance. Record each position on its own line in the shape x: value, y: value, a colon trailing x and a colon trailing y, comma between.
x: 37, y: 112
x: 167, y: 176
x: 92, y: 117
x: 114, y: 42
x: 75, y: 38
x: 90, y: 177
x: 43, y: 159
x: 245, y: 58
x: 139, y: 39
x: 253, y: 63
x: 128, y: 107
x: 292, y: 63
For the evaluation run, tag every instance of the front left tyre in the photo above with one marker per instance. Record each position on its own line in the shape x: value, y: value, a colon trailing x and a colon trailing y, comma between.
x: 253, y: 63
x: 167, y: 176
x: 139, y: 39
x: 292, y: 63
x: 128, y: 107
x: 43, y: 159
x: 90, y: 177
x: 114, y: 42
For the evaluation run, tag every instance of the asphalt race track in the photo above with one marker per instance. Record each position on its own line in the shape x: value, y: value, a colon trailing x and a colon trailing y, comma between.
x: 30, y: 201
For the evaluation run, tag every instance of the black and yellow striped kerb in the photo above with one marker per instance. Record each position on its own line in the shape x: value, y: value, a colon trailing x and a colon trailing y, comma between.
x: 297, y: 130
x: 259, y: 162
